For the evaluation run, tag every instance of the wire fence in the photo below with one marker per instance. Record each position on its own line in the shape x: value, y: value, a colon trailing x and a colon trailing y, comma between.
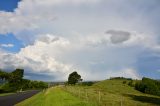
x: 96, y: 96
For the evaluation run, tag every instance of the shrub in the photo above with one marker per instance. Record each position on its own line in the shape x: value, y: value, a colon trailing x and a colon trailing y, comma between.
x: 90, y: 83
x: 131, y: 83
x: 120, y: 78
x: 124, y: 82
x: 149, y: 86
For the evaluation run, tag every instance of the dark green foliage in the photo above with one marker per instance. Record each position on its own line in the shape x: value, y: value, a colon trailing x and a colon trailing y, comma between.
x: 4, y: 75
x: 89, y: 83
x: 28, y: 84
x: 131, y: 83
x: 38, y: 84
x: 6, y: 88
x: 25, y: 84
x: 149, y: 86
x: 120, y: 78
x: 15, y: 81
x: 124, y: 82
x: 73, y: 78
x: 16, y: 76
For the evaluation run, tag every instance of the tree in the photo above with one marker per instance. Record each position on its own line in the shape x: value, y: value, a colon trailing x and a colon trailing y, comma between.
x: 16, y: 76
x: 15, y: 79
x: 4, y: 75
x: 149, y: 86
x: 73, y: 78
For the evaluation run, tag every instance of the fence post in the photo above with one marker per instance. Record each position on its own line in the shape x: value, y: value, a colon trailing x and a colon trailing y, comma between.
x: 99, y: 97
x: 121, y: 101
x: 86, y: 96
x: 79, y: 93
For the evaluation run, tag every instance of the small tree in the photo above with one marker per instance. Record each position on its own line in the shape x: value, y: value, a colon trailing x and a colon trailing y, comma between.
x: 15, y: 79
x: 16, y: 76
x: 73, y: 78
x: 4, y: 75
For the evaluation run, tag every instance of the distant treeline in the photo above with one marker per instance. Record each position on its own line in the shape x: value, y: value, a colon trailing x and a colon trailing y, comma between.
x: 14, y: 81
x: 147, y: 85
x: 88, y: 83
x: 118, y: 78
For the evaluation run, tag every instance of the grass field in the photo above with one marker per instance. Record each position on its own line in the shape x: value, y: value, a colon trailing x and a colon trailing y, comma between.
x: 113, y: 93
x: 54, y: 97
x: 104, y: 93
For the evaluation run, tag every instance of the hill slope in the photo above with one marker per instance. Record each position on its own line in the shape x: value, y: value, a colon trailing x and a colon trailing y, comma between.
x: 103, y: 93
x: 114, y: 92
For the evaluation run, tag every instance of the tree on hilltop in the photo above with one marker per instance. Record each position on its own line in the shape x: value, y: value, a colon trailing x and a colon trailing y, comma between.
x: 73, y: 78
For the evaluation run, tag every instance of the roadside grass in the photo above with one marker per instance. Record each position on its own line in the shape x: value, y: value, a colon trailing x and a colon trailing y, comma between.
x: 104, y: 93
x: 5, y: 94
x: 113, y: 93
x: 54, y: 97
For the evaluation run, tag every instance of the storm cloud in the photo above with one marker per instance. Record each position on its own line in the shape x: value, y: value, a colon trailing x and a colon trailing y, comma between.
x: 118, y: 36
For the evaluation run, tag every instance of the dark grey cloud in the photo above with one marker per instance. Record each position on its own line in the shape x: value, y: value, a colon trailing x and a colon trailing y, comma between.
x: 48, y: 39
x: 118, y: 36
x: 38, y: 76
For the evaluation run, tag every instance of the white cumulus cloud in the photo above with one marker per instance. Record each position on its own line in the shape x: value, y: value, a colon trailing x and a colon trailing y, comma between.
x: 97, y: 37
x: 128, y: 73
x: 6, y: 45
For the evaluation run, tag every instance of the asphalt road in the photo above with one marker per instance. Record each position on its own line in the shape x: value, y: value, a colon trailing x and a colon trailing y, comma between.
x: 11, y: 100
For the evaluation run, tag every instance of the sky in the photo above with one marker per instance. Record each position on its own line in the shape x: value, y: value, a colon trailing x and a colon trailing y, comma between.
x: 99, y: 39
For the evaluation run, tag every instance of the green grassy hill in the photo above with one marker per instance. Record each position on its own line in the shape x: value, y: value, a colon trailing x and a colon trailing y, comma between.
x: 115, y: 87
x: 114, y: 93
x: 103, y: 93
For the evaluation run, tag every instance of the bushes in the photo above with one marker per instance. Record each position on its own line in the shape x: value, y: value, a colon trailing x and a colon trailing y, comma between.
x: 4, y: 75
x: 149, y: 86
x: 6, y: 88
x: 14, y: 81
x: 90, y: 83
x: 120, y: 78
x: 129, y: 82
x: 25, y: 85
x: 38, y: 84
x: 124, y: 82
x: 28, y: 84
x: 132, y: 83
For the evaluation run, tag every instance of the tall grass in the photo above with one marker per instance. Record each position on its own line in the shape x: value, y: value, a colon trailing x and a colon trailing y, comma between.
x: 54, y: 97
x: 113, y: 93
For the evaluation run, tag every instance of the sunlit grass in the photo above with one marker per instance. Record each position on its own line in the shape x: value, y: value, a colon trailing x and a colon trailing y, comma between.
x: 113, y: 93
x: 104, y: 93
x: 54, y: 97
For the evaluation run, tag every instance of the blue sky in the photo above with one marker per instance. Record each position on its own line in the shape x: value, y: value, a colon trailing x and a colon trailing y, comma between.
x: 11, y: 39
x: 97, y: 38
x: 8, y: 5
